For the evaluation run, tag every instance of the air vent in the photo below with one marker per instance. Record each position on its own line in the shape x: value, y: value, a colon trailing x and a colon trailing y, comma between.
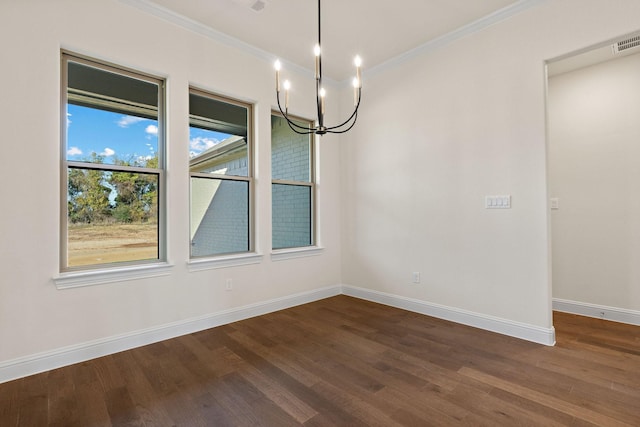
x: 255, y: 5
x: 631, y: 43
x: 258, y: 5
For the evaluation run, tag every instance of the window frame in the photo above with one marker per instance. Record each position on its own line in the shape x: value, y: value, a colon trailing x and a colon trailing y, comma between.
x: 77, y: 275
x: 249, y: 256
x: 312, y: 188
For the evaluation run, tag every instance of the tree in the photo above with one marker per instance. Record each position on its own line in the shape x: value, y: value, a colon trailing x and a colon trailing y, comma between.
x: 136, y: 199
x: 89, y: 191
x: 88, y: 194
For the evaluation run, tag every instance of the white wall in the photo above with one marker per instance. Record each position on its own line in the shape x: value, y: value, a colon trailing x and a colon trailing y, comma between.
x: 35, y: 317
x: 441, y: 131
x: 594, y: 153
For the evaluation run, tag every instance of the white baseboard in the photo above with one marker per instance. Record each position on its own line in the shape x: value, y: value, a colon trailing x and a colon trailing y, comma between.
x: 65, y: 356
x: 615, y: 314
x: 41, y: 362
x: 523, y: 331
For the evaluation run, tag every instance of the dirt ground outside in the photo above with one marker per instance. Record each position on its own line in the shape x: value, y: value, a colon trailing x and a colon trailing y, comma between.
x: 106, y: 243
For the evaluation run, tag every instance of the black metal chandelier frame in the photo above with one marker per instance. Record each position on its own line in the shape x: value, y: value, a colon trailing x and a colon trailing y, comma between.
x: 320, y: 127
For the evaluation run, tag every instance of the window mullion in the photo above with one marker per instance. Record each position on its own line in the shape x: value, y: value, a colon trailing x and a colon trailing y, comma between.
x: 289, y: 182
x: 112, y: 167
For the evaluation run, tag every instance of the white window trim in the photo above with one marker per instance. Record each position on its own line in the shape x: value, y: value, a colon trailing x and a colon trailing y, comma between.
x: 201, y: 264
x: 292, y: 253
x: 79, y: 279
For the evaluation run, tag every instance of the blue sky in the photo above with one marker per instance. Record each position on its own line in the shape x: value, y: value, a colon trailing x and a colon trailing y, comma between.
x: 201, y: 140
x: 112, y: 135
x: 109, y: 134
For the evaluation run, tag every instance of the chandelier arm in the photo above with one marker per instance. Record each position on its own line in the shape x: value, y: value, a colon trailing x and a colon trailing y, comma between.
x: 290, y: 122
x: 355, y: 119
x: 308, y: 132
x: 293, y: 125
x: 355, y: 113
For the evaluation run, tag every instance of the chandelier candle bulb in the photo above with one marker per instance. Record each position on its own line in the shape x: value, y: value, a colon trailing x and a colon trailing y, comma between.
x: 277, y: 66
x: 355, y: 91
x: 287, y: 86
x: 358, y: 62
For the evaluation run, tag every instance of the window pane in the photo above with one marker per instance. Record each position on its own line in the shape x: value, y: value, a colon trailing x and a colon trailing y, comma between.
x: 290, y: 152
x: 111, y: 118
x: 112, y: 216
x: 219, y: 216
x: 291, y: 213
x: 217, y: 137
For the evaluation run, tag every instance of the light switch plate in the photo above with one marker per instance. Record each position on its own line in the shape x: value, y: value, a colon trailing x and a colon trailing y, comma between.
x: 497, y: 202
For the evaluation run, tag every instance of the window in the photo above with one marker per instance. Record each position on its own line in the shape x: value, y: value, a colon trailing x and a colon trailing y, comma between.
x: 220, y: 168
x: 112, y: 166
x: 292, y: 185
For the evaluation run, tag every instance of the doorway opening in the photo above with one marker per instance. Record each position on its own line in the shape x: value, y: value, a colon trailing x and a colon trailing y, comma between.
x: 593, y: 175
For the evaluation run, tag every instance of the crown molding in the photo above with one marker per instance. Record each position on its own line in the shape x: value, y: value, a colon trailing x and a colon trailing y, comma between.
x: 464, y: 31
x: 168, y: 15
x: 182, y: 21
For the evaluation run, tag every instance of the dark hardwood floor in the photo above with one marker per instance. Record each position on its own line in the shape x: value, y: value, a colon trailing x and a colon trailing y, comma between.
x: 343, y: 361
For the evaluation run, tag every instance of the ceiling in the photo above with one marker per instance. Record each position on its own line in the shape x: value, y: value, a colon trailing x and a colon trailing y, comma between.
x: 378, y: 31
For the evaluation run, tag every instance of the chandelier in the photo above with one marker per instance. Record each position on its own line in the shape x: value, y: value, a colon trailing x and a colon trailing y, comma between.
x: 320, y: 127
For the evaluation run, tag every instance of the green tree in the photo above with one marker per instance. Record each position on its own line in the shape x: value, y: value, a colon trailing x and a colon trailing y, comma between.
x: 88, y: 194
x: 136, y: 199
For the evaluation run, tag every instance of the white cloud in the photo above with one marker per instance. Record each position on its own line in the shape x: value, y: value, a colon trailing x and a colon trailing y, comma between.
x: 143, y: 159
x: 126, y: 121
x: 68, y: 120
x: 74, y: 151
x: 200, y: 144
x: 152, y: 130
x: 108, y: 152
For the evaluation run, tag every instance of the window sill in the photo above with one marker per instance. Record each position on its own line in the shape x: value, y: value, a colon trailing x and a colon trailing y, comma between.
x: 78, y: 279
x: 284, y: 254
x: 224, y: 261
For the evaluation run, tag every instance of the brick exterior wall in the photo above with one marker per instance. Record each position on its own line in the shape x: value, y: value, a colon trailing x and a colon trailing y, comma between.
x: 225, y: 225
x: 291, y: 205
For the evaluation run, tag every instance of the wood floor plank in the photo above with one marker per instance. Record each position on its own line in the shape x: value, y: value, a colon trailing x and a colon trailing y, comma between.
x: 91, y: 406
x: 146, y: 396
x: 62, y: 405
x: 346, y: 362
x: 290, y: 403
x: 32, y: 401
x: 580, y: 412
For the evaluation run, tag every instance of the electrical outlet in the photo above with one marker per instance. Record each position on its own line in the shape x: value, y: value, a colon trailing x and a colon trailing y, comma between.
x: 415, y: 277
x: 228, y: 285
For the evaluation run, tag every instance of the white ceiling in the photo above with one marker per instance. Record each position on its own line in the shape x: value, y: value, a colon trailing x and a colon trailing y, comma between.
x: 376, y: 30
